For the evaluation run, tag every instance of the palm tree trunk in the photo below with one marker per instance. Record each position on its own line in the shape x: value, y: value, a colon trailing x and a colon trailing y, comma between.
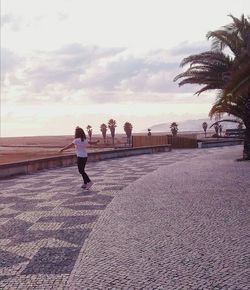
x: 246, y: 150
x: 246, y: 120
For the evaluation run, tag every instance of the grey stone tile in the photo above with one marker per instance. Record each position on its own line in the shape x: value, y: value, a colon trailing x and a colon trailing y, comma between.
x: 52, y: 261
x: 8, y: 259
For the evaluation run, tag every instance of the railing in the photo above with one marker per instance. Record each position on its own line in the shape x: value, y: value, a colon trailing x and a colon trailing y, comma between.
x: 182, y: 141
x: 141, y: 141
x: 235, y: 132
x: 179, y: 141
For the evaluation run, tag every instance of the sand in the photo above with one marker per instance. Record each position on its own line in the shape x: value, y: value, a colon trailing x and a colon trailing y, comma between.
x: 13, y: 149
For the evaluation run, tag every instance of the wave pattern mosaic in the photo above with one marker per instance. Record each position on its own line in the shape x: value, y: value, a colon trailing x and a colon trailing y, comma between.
x: 45, y: 218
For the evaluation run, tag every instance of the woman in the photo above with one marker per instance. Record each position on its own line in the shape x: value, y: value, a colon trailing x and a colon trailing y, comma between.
x: 80, y: 142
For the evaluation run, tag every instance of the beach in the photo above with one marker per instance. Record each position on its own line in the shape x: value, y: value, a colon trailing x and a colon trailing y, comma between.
x: 13, y: 149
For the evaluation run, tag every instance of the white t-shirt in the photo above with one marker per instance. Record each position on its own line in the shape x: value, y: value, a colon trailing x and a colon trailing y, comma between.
x: 80, y: 146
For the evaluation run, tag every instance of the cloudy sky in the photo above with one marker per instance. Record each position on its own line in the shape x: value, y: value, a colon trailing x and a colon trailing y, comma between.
x: 81, y: 62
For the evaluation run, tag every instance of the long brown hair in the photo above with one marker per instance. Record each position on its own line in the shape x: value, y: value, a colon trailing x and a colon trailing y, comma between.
x: 79, y: 133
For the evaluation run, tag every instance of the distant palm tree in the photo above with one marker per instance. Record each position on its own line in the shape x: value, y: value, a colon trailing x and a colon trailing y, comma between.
x: 112, y: 125
x: 220, y: 129
x: 204, y: 126
x: 216, y: 129
x: 128, y: 130
x: 240, y: 127
x: 239, y: 122
x: 89, y: 129
x: 174, y: 128
x: 229, y: 73
x: 104, y: 129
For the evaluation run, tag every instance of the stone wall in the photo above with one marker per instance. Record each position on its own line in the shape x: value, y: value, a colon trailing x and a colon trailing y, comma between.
x: 32, y: 166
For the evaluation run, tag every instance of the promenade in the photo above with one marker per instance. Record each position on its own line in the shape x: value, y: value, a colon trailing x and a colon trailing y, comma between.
x: 173, y: 220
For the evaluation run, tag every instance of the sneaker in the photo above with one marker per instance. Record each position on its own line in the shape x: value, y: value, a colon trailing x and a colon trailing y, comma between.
x: 84, y: 186
x: 89, y: 184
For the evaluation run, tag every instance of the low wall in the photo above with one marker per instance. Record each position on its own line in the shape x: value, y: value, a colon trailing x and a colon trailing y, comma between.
x: 140, y: 141
x: 182, y: 141
x: 31, y: 166
x: 219, y: 143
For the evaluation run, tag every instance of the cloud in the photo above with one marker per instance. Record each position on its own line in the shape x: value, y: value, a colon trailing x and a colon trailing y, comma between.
x: 87, y: 53
x: 187, y: 48
x: 96, y: 74
x: 110, y: 76
x: 10, y: 64
x: 63, y: 68
x: 14, y: 22
x: 9, y: 60
x: 61, y: 16
x: 6, y: 19
x: 151, y: 73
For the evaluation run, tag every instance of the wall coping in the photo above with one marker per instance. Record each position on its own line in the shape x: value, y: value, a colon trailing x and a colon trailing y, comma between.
x: 219, y: 143
x: 34, y: 165
x: 51, y: 158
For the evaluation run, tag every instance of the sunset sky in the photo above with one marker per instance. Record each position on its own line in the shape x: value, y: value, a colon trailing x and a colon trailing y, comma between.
x: 81, y: 62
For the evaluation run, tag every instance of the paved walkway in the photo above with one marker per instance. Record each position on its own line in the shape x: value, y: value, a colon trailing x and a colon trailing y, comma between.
x: 174, y: 220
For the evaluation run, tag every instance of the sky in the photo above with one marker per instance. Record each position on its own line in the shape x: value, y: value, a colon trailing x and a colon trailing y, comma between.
x: 68, y: 63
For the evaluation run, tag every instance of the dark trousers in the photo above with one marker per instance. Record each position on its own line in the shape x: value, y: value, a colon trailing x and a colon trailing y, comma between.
x: 81, y: 162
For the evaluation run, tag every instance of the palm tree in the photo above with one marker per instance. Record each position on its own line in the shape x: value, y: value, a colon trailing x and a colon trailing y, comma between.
x: 228, y: 73
x: 174, y: 128
x: 112, y: 125
x: 216, y: 129
x: 239, y: 122
x: 240, y: 128
x: 104, y: 129
x: 89, y: 130
x: 204, y: 126
x: 128, y: 130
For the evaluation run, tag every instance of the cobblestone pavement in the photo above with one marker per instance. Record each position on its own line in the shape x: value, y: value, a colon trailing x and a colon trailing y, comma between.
x: 174, y: 220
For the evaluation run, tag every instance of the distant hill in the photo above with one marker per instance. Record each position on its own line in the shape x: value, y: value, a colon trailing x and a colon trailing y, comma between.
x: 189, y: 125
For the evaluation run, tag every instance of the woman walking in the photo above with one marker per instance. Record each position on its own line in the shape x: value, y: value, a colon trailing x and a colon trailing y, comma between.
x: 80, y: 142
